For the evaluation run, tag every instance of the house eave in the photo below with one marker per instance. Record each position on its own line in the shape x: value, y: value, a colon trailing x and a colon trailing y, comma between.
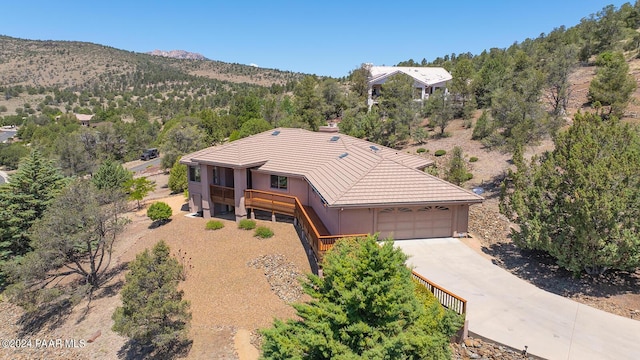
x: 406, y: 204
x: 221, y: 164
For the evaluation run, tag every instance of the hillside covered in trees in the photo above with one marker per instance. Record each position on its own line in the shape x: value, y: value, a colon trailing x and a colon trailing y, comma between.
x: 526, y: 91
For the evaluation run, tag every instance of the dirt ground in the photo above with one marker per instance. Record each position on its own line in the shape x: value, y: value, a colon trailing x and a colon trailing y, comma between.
x: 230, y: 300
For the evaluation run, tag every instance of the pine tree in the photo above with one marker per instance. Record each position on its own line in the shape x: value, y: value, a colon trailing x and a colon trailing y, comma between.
x: 111, y: 175
x: 457, y: 172
x: 397, y: 108
x: 153, y: 311
x: 483, y: 127
x: 364, y: 307
x: 24, y: 199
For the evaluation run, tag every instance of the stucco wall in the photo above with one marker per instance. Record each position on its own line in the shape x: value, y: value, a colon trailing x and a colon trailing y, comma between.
x: 296, y: 186
x: 461, y: 224
x: 356, y: 221
x: 329, y: 216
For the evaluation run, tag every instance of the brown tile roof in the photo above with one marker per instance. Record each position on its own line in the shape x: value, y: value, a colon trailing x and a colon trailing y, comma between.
x: 368, y: 173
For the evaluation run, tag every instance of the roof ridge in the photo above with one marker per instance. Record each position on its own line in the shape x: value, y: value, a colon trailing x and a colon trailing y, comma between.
x: 354, y: 183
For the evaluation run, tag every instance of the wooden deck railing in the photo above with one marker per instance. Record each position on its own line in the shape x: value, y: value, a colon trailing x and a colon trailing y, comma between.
x: 320, y: 240
x: 448, y: 299
x: 222, y: 195
x: 268, y: 201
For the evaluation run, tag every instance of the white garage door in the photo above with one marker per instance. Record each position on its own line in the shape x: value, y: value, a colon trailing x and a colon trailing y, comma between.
x: 412, y: 223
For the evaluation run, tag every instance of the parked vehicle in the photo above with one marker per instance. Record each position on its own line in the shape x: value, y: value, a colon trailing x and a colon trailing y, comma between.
x: 149, y: 154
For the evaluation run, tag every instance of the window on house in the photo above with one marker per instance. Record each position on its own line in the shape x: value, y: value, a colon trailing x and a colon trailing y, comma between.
x: 278, y: 182
x: 216, y: 176
x: 194, y: 173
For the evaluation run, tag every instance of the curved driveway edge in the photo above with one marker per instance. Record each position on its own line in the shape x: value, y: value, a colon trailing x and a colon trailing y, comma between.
x: 509, y: 310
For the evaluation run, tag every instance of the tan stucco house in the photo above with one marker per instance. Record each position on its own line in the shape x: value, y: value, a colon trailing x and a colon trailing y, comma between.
x: 341, y: 184
x: 426, y: 80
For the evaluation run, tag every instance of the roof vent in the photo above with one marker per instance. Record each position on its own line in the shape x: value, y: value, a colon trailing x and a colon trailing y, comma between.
x: 374, y: 148
x: 276, y: 133
x: 334, y: 138
x: 343, y: 155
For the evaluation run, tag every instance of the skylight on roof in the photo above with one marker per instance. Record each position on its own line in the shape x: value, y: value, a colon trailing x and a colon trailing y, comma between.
x: 275, y: 133
x: 343, y: 155
x: 374, y: 148
x: 334, y: 138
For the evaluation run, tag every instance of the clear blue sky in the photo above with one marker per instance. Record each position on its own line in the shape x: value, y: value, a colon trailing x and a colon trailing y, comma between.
x: 317, y: 37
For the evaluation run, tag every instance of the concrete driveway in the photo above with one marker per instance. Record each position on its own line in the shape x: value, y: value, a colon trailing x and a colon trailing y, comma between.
x: 506, y: 309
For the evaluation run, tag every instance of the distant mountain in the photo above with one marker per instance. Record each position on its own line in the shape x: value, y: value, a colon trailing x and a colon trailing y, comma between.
x: 84, y: 66
x: 178, y: 54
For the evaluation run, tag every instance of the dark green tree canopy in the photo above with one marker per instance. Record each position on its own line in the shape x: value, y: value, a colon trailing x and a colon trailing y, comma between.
x: 581, y: 202
x: 180, y: 140
x: 613, y: 85
x: 457, y: 172
x: 309, y: 102
x: 397, y: 108
x: 364, y: 307
x: 111, y: 176
x: 24, y: 199
x: 153, y: 311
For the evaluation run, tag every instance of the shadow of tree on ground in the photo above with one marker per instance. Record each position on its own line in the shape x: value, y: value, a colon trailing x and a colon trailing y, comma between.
x: 133, y: 350
x: 51, y: 316
x: 541, y: 269
x: 156, y: 224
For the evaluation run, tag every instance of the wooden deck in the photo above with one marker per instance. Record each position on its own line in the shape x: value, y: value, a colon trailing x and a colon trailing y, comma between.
x: 222, y: 195
x: 312, y: 226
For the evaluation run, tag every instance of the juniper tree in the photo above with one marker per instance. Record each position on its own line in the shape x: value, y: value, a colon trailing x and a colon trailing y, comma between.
x: 153, y: 311
x: 457, y: 172
x: 613, y: 85
x: 439, y: 108
x: 365, y: 307
x: 581, y: 202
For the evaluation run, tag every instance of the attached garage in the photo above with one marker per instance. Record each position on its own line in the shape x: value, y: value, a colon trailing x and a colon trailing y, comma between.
x: 415, y: 223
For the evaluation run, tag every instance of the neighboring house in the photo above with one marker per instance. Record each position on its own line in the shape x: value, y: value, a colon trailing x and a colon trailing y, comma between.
x: 83, y: 119
x: 342, y: 184
x: 427, y: 80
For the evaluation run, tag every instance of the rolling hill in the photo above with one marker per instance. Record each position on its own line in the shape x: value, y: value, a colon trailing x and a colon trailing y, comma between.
x: 81, y: 65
